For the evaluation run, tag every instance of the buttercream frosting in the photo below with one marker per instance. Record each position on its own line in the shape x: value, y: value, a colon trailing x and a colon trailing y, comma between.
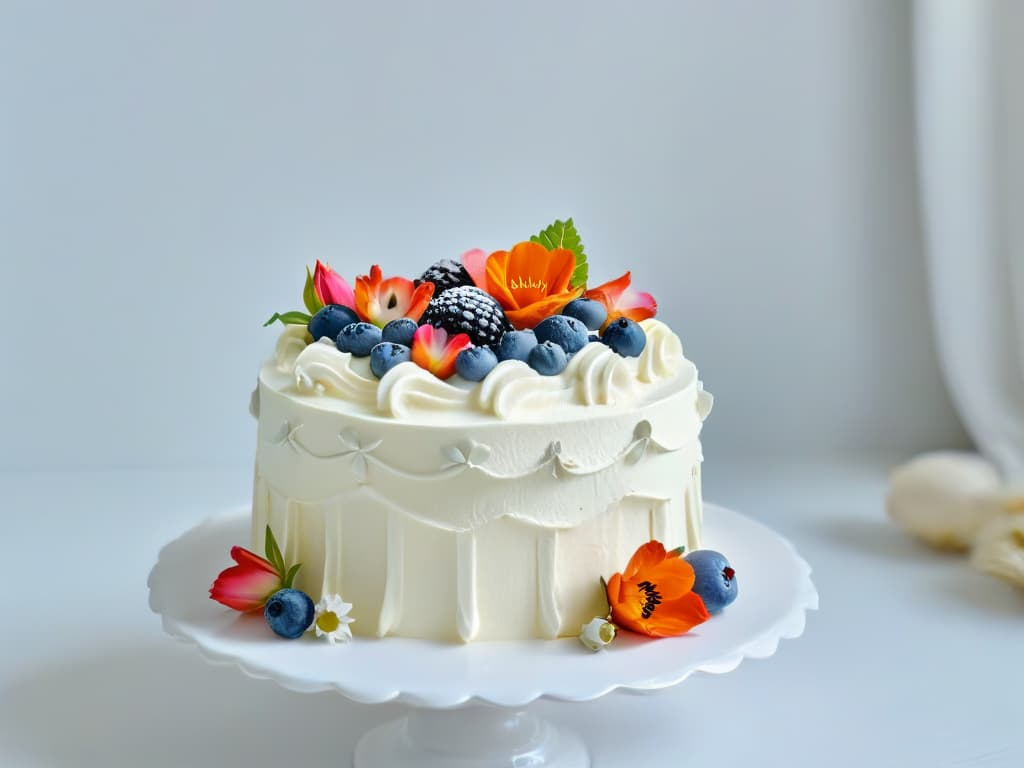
x: 463, y: 510
x: 594, y: 376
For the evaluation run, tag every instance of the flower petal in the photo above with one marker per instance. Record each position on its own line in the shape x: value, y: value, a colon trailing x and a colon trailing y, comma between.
x: 380, y: 301
x: 475, y: 262
x: 332, y: 288
x: 669, y: 619
x: 420, y: 299
x: 611, y: 290
x: 646, y: 556
x: 434, y: 351
x: 244, y: 588
x: 529, y: 317
x: 620, y: 300
x: 496, y: 273
x: 249, y: 559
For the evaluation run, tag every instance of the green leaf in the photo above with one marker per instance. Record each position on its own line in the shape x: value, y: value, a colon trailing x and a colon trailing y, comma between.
x: 563, y: 234
x: 274, y: 553
x: 289, y: 318
x: 290, y: 576
x: 309, y: 297
x: 677, y: 552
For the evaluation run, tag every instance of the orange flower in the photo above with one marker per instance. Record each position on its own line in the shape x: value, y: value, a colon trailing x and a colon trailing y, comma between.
x: 531, y: 282
x: 380, y: 301
x: 654, y: 596
x: 623, y: 301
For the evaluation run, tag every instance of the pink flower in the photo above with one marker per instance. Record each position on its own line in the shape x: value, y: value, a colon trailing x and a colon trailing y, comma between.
x: 331, y: 288
x: 246, y: 586
x: 435, y: 351
x: 622, y: 301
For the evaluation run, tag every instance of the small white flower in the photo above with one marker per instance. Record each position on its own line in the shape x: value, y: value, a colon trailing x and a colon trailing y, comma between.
x: 331, y: 619
x: 597, y: 634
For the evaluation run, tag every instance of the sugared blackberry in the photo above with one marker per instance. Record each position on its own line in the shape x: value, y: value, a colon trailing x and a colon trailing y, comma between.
x: 445, y: 275
x: 467, y: 309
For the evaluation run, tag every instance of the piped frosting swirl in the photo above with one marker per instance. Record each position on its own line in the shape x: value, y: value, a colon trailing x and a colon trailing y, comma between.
x: 594, y: 376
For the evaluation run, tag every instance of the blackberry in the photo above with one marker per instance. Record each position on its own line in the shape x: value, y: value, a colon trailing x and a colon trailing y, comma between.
x: 467, y: 309
x: 445, y: 275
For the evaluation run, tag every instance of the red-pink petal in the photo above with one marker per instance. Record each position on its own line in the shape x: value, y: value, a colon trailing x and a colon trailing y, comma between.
x: 622, y: 300
x: 249, y: 559
x: 332, y: 288
x: 475, y: 262
x: 435, y: 351
x: 244, y: 587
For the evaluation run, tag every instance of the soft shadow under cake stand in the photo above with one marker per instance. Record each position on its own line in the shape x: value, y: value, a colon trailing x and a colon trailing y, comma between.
x: 470, y: 703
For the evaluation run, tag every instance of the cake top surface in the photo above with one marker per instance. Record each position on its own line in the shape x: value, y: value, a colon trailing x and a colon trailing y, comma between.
x: 513, y: 334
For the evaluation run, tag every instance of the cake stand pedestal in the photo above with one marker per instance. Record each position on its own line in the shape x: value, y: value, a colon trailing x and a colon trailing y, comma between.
x: 470, y: 702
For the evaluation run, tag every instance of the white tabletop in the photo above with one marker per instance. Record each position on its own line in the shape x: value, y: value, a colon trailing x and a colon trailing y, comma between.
x: 913, y: 660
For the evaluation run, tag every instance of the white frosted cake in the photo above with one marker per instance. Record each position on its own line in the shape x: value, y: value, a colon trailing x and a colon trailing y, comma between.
x: 486, y: 505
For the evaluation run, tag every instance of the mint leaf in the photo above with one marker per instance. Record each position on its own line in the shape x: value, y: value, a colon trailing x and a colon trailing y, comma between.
x: 274, y: 555
x: 289, y: 318
x: 290, y: 576
x: 309, y: 297
x: 677, y: 552
x: 563, y: 234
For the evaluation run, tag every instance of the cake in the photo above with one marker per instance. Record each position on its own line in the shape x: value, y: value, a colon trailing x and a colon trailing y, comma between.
x: 477, y: 482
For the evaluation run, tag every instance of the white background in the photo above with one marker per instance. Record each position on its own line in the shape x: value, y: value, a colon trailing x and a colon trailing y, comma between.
x: 167, y: 170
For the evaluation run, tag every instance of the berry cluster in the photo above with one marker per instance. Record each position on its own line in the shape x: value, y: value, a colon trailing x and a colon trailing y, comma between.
x: 530, y: 303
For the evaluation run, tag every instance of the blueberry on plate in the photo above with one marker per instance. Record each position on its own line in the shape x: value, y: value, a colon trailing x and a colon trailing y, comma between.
x: 399, y: 331
x: 589, y: 312
x: 359, y: 338
x: 475, y: 363
x: 625, y: 336
x: 548, y: 359
x: 715, y: 580
x: 289, y: 613
x: 330, y: 320
x: 516, y: 345
x: 386, y: 356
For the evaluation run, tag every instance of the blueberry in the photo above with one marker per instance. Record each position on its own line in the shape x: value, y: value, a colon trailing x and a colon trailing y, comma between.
x: 589, y: 312
x: 715, y: 580
x: 289, y: 613
x: 386, y: 356
x: 594, y: 337
x: 359, y: 338
x: 548, y: 359
x: 516, y: 345
x: 330, y: 320
x: 474, y: 363
x: 567, y: 332
x: 399, y: 331
x: 625, y: 337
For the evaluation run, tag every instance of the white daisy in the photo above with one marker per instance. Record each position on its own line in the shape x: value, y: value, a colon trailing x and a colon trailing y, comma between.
x: 331, y: 619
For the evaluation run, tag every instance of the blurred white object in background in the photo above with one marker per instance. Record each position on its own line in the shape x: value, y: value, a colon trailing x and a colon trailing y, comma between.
x: 971, y: 186
x: 972, y: 183
x: 945, y: 497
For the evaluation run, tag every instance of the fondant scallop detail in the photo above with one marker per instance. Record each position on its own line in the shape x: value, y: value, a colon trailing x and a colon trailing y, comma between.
x: 594, y: 376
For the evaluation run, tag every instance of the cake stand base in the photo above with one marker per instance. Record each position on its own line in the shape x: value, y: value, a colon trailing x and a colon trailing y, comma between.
x: 477, y: 736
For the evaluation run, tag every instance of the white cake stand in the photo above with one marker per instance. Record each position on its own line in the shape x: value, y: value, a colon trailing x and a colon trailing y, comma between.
x: 470, y: 701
